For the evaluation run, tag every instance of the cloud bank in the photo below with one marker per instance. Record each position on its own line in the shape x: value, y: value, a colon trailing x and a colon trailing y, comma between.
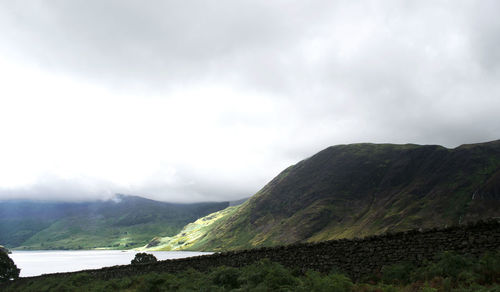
x: 204, y: 100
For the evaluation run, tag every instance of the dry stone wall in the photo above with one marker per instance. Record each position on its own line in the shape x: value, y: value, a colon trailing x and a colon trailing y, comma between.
x: 356, y: 258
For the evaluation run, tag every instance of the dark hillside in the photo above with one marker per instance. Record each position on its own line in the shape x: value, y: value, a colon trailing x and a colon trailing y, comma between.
x: 356, y: 190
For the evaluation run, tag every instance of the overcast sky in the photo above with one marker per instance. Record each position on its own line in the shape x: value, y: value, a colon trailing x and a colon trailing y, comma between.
x: 209, y: 100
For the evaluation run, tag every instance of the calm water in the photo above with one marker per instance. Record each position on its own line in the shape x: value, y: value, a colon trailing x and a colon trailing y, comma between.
x: 34, y: 263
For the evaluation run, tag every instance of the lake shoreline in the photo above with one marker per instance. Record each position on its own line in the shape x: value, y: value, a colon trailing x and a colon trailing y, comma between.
x: 355, y: 257
x: 39, y: 262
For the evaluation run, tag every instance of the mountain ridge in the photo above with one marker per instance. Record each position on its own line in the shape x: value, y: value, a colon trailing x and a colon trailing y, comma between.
x: 346, y: 191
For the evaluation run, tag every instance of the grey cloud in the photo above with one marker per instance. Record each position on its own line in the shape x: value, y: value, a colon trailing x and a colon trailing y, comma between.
x: 485, y: 32
x: 190, y: 186
x: 159, y: 43
x: 54, y: 188
x: 340, y: 72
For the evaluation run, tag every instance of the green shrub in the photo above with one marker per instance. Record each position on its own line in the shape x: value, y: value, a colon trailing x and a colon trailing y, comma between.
x: 429, y: 289
x: 143, y: 258
x: 79, y: 279
x: 226, y: 277
x: 397, y: 274
x: 488, y: 268
x: 314, y: 281
x: 8, y: 270
x: 279, y: 278
x: 467, y: 278
x: 448, y: 265
x: 267, y: 276
x: 254, y: 274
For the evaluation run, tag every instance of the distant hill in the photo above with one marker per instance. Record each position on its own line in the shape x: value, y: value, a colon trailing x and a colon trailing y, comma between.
x: 123, y: 222
x: 356, y: 190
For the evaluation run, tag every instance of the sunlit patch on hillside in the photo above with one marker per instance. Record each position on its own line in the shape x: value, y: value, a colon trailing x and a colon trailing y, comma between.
x: 189, y: 235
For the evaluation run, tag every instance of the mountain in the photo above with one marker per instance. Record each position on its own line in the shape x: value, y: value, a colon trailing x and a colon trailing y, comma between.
x: 123, y: 222
x: 357, y: 190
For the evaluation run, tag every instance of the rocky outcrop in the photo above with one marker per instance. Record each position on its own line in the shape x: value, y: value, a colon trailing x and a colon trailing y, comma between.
x: 154, y: 242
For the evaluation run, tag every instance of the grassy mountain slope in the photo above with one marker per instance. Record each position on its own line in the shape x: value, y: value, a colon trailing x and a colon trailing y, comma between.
x: 356, y: 190
x: 190, y: 234
x: 125, y: 221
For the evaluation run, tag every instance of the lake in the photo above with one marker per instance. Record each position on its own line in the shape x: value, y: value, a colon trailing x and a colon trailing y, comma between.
x: 34, y: 263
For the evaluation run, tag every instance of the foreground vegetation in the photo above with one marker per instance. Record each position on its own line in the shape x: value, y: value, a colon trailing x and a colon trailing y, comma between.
x: 450, y: 273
